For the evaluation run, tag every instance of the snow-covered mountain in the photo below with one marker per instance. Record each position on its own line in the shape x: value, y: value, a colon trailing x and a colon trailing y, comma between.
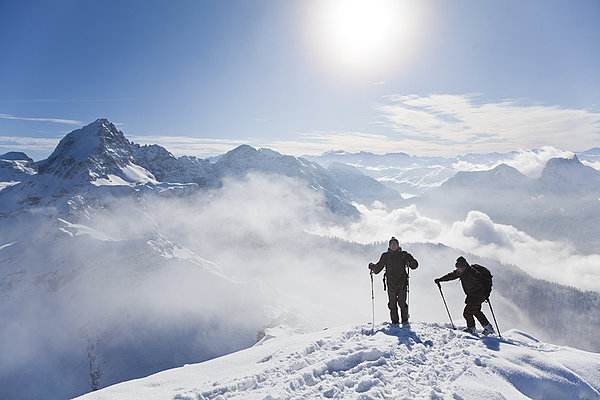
x: 427, y: 361
x: 100, y: 156
x: 562, y: 204
x: 14, y: 167
x: 402, y: 172
x: 120, y: 260
x: 500, y: 178
x: 244, y: 159
x: 362, y: 188
x: 569, y: 175
x: 416, y: 175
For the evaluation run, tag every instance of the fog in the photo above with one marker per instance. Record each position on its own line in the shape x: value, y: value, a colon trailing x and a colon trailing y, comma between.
x: 477, y: 234
x: 139, y: 284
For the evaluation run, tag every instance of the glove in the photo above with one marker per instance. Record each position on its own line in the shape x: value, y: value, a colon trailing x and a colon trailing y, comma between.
x: 437, y: 282
x: 371, y: 265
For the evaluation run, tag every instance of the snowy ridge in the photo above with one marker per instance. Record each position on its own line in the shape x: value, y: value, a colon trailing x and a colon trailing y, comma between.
x: 426, y: 361
x: 99, y: 160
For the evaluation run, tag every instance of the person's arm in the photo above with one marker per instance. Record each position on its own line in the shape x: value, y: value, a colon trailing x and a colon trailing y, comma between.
x: 448, y: 277
x: 377, y: 267
x: 411, y: 261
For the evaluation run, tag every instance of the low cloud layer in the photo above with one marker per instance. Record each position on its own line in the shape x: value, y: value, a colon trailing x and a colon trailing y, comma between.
x: 550, y: 260
x: 194, y: 277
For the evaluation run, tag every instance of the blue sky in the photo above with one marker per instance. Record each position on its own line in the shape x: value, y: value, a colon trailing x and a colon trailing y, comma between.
x: 202, y: 76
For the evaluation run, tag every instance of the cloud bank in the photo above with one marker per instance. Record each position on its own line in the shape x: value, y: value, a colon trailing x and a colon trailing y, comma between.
x: 477, y: 234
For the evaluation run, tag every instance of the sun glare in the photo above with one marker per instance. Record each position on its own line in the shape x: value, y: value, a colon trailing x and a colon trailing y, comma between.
x: 361, y: 35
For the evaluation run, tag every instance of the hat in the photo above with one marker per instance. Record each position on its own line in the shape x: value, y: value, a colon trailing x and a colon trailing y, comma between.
x: 393, y: 239
x: 461, y: 262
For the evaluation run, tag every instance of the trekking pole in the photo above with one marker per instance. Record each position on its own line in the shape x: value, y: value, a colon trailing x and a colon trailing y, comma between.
x: 446, y: 305
x: 495, y: 322
x: 372, y: 305
x: 408, y: 291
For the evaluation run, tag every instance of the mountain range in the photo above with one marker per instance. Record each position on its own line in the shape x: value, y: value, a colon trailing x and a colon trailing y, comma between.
x: 561, y: 204
x: 99, y: 158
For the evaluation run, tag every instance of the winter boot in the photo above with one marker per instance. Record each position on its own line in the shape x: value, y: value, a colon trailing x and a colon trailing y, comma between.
x: 488, y: 330
x: 470, y: 330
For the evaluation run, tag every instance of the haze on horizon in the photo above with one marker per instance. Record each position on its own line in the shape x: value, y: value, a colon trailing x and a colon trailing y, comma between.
x: 304, y: 77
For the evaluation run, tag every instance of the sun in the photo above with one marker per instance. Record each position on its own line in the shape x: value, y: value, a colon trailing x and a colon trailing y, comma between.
x: 361, y: 35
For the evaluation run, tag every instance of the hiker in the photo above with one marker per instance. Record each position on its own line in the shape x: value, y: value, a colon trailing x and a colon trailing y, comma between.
x: 395, y: 261
x: 476, y: 281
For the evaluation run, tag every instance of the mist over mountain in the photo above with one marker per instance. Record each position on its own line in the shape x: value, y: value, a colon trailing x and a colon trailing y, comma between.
x: 562, y: 204
x: 121, y: 260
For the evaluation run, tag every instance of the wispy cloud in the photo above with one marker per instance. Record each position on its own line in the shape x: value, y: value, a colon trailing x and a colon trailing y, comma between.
x: 37, y: 148
x: 28, y: 143
x: 438, y: 124
x: 463, y: 123
x: 192, y: 146
x: 36, y: 119
x: 59, y: 100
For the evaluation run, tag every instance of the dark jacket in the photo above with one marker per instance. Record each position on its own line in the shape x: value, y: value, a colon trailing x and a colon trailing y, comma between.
x: 395, y: 264
x: 471, y: 282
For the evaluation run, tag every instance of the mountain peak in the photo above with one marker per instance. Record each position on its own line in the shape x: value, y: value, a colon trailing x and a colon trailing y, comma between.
x: 242, y: 149
x: 15, y: 156
x: 565, y: 160
x: 97, y: 151
x: 97, y: 137
x: 500, y: 177
x: 569, y: 172
x: 561, y: 165
x: 506, y: 169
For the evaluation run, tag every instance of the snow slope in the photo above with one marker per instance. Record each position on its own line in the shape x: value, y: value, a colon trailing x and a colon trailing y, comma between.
x: 426, y: 361
x: 14, y: 167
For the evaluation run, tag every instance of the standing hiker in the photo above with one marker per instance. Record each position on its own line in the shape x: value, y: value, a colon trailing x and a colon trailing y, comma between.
x: 476, y: 281
x: 395, y: 261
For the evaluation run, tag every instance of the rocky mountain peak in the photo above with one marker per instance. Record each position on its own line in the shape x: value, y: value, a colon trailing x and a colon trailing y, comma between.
x: 97, y: 150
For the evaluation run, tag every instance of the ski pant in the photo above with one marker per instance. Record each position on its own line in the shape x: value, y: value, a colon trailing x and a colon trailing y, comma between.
x: 474, y: 310
x: 397, y: 297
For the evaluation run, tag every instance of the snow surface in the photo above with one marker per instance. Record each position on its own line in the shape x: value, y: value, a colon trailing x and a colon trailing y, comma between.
x: 4, y: 185
x: 425, y: 361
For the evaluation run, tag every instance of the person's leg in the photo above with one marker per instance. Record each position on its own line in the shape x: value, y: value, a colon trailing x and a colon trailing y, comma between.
x: 393, y: 304
x: 480, y: 316
x: 402, y: 292
x: 468, y: 314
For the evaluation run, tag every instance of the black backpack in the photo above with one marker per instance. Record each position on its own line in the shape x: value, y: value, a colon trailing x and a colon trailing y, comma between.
x: 485, y: 277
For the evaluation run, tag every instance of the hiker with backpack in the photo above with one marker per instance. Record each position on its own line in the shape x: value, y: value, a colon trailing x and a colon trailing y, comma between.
x: 476, y: 281
x: 396, y: 263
